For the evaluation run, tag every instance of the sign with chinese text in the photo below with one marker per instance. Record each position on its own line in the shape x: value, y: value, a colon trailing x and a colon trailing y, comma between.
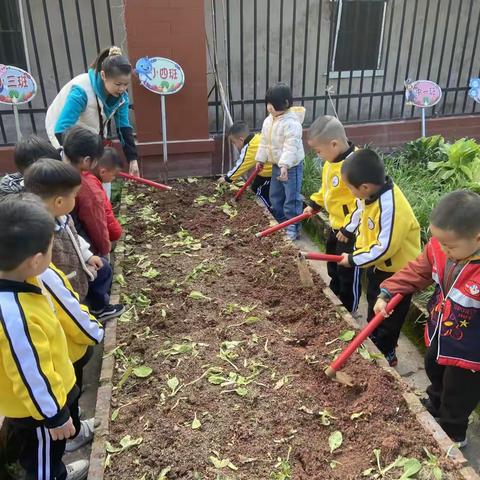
x: 160, y: 75
x: 422, y: 93
x: 16, y: 85
x: 474, y: 91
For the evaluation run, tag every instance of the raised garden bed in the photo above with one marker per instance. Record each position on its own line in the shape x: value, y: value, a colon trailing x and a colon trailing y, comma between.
x: 219, y: 361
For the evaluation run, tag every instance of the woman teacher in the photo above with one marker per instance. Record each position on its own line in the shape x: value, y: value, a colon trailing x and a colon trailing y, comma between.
x: 91, y: 100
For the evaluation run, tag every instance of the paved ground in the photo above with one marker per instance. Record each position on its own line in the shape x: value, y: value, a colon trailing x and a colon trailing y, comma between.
x: 410, y: 365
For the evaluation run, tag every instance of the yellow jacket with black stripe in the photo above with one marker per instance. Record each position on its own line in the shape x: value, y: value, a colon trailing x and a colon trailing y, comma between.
x: 81, y: 328
x: 389, y: 234
x: 36, y: 374
x: 343, y: 209
x: 246, y: 160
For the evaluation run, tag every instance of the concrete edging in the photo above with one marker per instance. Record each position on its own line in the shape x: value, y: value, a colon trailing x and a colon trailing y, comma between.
x: 104, y: 394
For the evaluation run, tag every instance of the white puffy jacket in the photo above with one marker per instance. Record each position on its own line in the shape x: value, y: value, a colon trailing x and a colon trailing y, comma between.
x: 281, y: 142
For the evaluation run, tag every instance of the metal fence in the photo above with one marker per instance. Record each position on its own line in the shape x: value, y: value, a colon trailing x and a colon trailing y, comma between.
x: 60, y: 39
x: 361, y: 50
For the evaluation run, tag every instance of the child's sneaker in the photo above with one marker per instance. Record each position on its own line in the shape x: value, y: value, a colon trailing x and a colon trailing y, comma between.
x: 292, y: 234
x: 461, y: 443
x: 392, y: 358
x: 109, y: 312
x: 77, y: 470
x: 84, y: 436
x: 430, y: 407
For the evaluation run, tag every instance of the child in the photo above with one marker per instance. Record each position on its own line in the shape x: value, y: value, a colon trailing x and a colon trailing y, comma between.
x: 451, y: 261
x: 37, y: 379
x: 57, y: 184
x: 281, y: 144
x: 388, y: 238
x: 247, y: 144
x: 27, y: 151
x: 84, y: 151
x: 327, y: 137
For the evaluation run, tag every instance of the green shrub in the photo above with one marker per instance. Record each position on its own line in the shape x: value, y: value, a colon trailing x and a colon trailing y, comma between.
x: 312, y: 174
x: 424, y: 150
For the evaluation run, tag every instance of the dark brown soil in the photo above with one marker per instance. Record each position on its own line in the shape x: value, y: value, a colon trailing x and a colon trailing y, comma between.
x: 275, y: 421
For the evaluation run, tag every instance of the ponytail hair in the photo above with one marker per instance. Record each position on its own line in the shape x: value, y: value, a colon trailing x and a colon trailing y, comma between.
x: 112, y: 62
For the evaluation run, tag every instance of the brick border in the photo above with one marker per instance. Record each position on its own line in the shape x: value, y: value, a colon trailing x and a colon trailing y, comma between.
x: 104, y: 394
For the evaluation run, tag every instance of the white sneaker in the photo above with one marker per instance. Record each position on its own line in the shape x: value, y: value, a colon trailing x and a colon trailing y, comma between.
x: 462, y: 443
x: 77, y: 470
x: 84, y: 436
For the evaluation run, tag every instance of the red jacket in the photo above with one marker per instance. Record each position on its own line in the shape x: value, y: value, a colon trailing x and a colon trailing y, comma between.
x: 94, y: 212
x: 454, y: 307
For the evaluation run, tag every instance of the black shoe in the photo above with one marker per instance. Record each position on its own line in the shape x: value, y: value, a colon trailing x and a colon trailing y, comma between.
x: 392, y: 358
x: 431, y: 409
x: 109, y: 312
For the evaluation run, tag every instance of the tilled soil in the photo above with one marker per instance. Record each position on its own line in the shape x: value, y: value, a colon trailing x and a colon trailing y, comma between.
x: 248, y: 356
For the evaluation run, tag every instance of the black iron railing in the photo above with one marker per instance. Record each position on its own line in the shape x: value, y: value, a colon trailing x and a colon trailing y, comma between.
x: 61, y: 38
x: 260, y: 42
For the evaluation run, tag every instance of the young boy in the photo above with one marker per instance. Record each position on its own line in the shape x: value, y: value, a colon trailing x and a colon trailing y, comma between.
x: 281, y: 145
x: 327, y: 137
x: 93, y: 209
x: 247, y: 144
x: 37, y: 379
x: 57, y: 184
x: 27, y: 152
x: 451, y: 261
x: 388, y: 238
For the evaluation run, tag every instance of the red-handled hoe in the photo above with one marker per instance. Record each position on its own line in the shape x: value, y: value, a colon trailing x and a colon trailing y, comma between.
x: 247, y: 183
x: 333, y: 370
x: 160, y: 186
x: 284, y: 224
x: 322, y: 257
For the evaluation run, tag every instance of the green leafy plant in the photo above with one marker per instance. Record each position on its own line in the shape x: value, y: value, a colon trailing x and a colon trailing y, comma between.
x: 312, y: 174
x: 431, y: 466
x: 222, y: 463
x: 425, y: 150
x: 283, y: 469
x: 335, y: 441
x: 196, y: 295
x: 228, y: 210
x: 462, y: 163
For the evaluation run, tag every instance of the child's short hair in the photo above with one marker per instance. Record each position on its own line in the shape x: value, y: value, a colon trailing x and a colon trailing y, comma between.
x: 30, y: 149
x: 48, y: 178
x: 364, y: 166
x: 27, y: 229
x: 280, y: 96
x: 80, y: 142
x: 325, y: 129
x: 110, y: 159
x: 239, y: 129
x: 458, y: 212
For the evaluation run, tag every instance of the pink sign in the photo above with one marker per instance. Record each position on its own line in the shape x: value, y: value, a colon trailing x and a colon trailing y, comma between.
x: 160, y: 75
x: 422, y: 93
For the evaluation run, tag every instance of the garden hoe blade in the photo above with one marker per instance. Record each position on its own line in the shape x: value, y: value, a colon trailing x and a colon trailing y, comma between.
x: 333, y: 370
x: 304, y: 272
x: 340, y: 377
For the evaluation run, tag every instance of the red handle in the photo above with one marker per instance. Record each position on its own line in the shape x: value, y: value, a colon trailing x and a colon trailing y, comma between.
x: 364, y: 333
x: 250, y: 179
x: 323, y: 257
x: 284, y: 224
x: 160, y: 186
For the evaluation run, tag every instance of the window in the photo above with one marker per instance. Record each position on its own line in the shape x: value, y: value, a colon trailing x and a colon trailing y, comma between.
x: 359, y: 34
x: 12, y: 49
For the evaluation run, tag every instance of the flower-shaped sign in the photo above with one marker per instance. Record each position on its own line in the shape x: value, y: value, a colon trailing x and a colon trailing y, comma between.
x: 422, y: 93
x: 160, y: 75
x: 16, y: 85
x: 474, y: 91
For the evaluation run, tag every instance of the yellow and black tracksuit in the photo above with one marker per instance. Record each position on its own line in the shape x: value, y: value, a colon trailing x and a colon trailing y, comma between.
x: 82, y: 329
x: 344, y: 212
x: 37, y: 379
x: 388, y: 238
x: 246, y: 161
